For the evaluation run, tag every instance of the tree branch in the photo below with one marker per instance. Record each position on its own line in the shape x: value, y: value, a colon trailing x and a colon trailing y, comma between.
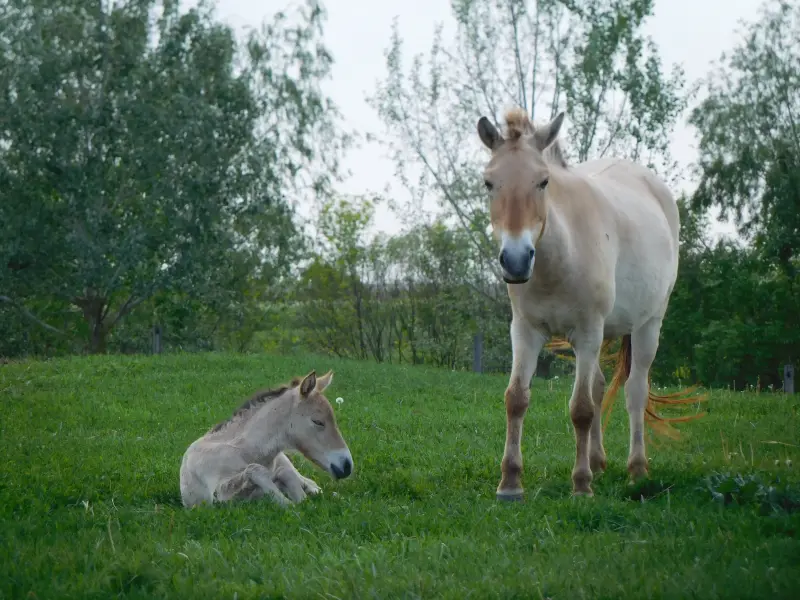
x: 30, y: 316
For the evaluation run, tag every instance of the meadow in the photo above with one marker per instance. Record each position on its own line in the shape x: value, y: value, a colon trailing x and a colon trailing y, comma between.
x: 89, y: 502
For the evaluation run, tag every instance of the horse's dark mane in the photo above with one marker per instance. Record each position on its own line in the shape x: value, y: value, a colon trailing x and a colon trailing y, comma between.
x: 257, y: 400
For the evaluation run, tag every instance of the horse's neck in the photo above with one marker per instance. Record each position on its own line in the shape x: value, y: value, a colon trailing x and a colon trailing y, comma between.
x: 552, y: 250
x: 265, y: 431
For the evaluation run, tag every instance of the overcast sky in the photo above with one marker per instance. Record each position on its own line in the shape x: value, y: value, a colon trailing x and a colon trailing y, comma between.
x: 691, y: 33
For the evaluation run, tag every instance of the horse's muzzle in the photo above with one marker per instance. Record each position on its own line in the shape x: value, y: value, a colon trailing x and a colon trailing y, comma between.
x: 517, y: 264
x: 341, y: 464
x: 343, y: 471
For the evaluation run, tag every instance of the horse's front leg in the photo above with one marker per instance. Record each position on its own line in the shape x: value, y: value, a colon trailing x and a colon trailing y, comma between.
x: 290, y: 481
x: 581, y: 405
x: 526, y: 345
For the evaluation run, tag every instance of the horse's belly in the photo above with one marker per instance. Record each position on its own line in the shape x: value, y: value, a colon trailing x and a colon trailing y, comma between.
x: 642, y: 291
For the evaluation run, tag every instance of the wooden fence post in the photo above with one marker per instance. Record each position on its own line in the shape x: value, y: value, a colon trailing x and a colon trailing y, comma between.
x: 788, y: 379
x: 157, y: 339
x: 477, y: 353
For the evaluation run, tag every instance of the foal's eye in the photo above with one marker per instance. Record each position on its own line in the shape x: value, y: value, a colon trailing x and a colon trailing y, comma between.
x: 318, y: 423
x: 488, y: 185
x: 543, y: 184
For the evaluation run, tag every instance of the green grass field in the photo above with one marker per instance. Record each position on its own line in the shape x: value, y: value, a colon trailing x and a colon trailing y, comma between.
x: 90, y: 508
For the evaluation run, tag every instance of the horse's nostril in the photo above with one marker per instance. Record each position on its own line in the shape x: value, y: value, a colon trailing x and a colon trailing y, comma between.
x: 340, y: 472
x: 531, y: 253
x: 503, y: 259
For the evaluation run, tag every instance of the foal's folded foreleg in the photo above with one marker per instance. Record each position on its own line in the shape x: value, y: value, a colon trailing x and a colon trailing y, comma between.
x: 254, y: 481
x: 290, y: 481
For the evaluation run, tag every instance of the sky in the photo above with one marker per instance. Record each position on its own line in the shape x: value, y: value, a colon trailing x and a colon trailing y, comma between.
x: 691, y: 33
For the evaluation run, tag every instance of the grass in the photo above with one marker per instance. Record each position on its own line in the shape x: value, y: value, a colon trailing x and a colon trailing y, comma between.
x: 89, y: 502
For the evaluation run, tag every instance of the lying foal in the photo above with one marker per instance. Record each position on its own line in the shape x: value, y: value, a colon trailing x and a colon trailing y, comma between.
x: 243, y: 458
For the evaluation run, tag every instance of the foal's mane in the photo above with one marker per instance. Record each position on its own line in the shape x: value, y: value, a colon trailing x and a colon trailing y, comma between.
x: 257, y: 400
x: 518, y: 123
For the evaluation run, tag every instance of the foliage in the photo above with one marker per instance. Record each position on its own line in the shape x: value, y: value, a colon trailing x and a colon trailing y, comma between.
x: 590, y: 58
x: 739, y: 489
x: 143, y: 150
x: 749, y: 135
x: 729, y: 314
x: 90, y: 508
x: 413, y: 297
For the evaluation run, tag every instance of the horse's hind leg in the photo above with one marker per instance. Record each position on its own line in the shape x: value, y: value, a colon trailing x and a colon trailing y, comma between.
x: 597, y: 454
x: 644, y: 344
x: 254, y: 481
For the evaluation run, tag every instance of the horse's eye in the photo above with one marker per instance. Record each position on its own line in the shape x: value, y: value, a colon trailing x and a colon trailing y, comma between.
x: 318, y: 423
x: 488, y: 185
x: 543, y: 184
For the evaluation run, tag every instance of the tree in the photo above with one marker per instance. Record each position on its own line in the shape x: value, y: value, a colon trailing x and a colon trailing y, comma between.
x: 142, y: 149
x: 590, y: 58
x: 749, y: 129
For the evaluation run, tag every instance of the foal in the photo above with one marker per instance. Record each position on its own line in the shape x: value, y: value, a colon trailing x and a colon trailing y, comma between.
x: 243, y: 457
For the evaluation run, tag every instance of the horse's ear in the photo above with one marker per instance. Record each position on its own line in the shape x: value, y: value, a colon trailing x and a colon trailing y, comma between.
x: 546, y: 135
x: 308, y: 384
x: 488, y: 133
x: 324, y: 381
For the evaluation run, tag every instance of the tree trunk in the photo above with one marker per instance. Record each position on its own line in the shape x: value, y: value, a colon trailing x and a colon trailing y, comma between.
x: 93, y: 308
x: 97, y: 341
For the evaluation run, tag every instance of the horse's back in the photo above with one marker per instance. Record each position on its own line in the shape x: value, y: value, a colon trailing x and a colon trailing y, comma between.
x: 634, y: 190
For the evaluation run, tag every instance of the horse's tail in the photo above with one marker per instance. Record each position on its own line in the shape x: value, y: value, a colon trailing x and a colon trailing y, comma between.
x: 622, y: 369
x: 660, y: 424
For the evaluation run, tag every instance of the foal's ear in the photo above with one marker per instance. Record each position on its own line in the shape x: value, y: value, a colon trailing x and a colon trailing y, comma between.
x: 547, y: 134
x: 488, y: 133
x: 324, y: 381
x: 308, y: 384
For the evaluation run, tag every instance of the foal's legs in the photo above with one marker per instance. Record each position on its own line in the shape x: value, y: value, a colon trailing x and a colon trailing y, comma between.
x: 581, y: 407
x: 290, y: 481
x: 526, y: 344
x: 644, y: 344
x: 597, y: 454
x: 254, y: 481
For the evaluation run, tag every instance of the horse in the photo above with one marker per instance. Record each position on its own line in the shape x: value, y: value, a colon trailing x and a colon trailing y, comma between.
x: 589, y: 253
x: 243, y: 458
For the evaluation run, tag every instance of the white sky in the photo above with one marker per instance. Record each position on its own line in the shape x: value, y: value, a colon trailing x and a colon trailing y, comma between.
x: 692, y: 33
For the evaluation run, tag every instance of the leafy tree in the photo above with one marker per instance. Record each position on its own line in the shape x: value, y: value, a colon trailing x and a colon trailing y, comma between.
x: 749, y: 129
x: 590, y: 58
x: 143, y: 150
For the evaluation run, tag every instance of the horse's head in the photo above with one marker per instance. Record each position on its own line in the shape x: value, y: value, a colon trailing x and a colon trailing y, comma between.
x: 312, y: 427
x: 516, y: 178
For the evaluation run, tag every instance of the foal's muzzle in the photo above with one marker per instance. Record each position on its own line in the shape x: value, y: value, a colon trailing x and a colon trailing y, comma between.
x: 341, y: 464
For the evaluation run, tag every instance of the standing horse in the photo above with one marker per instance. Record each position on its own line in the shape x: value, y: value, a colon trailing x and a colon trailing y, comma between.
x: 243, y: 458
x: 590, y: 253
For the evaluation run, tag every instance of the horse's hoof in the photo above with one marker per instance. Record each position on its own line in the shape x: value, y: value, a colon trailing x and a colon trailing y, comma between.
x: 510, y: 495
x: 582, y: 494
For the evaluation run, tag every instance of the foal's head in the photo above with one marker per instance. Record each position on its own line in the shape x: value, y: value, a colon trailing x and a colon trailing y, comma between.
x: 517, y: 177
x: 312, y: 427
